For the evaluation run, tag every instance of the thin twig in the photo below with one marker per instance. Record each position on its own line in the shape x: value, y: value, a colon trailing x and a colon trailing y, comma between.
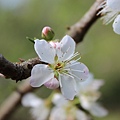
x: 79, y: 29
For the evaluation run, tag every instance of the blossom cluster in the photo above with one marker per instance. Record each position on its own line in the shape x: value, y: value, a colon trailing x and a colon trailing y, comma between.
x: 59, y: 108
x: 111, y: 11
x: 78, y: 91
x: 60, y: 69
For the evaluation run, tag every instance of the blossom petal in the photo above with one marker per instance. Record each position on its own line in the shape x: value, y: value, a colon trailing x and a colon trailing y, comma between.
x: 31, y: 100
x: 45, y: 51
x: 40, y: 74
x: 116, y: 25
x: 85, y: 101
x: 58, y: 113
x: 66, y: 48
x: 87, y: 83
x: 96, y: 84
x: 78, y: 70
x: 40, y: 113
x: 97, y: 110
x: 80, y: 114
x: 114, y: 4
x: 52, y: 83
x: 59, y: 100
x: 91, y: 83
x: 68, y: 86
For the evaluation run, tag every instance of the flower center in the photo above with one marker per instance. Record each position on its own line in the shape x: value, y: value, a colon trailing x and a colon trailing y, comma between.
x: 58, y: 67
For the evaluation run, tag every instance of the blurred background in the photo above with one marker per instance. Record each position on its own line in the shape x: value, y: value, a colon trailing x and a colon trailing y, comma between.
x: 100, y: 49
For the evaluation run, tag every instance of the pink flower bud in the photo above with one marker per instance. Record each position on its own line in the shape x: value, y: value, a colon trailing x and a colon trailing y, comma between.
x: 55, y: 45
x: 47, y: 33
x: 46, y: 30
x: 52, y: 83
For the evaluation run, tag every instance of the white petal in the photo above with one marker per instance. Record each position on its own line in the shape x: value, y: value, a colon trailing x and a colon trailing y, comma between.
x: 114, y: 4
x: 78, y: 87
x: 96, y: 84
x: 87, y: 83
x: 80, y: 115
x: 116, y: 25
x: 108, y: 15
x: 91, y: 83
x: 52, y: 83
x: 45, y: 51
x: 66, y: 48
x: 79, y: 70
x: 40, y: 113
x: 85, y: 102
x: 98, y: 110
x: 40, y: 74
x: 68, y: 87
x: 88, y: 97
x: 59, y: 100
x: 31, y: 100
x: 58, y: 113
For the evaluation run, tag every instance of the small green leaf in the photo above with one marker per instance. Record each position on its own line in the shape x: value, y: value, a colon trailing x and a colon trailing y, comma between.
x: 30, y: 39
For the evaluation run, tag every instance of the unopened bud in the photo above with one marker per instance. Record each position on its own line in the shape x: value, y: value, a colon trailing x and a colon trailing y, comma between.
x: 52, y: 83
x: 47, y: 33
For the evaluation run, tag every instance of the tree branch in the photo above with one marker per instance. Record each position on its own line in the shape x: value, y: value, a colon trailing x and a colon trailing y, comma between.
x: 13, y: 100
x: 79, y: 29
x: 17, y: 71
x: 22, y: 70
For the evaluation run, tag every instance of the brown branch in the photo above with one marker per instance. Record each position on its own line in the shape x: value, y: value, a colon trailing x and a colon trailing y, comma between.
x: 20, y: 71
x: 79, y: 29
x: 13, y: 100
x: 17, y: 71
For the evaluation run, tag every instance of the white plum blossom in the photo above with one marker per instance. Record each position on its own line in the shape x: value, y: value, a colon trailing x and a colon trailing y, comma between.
x: 116, y: 25
x: 60, y: 70
x: 39, y: 110
x: 65, y: 110
x: 89, y: 94
x: 114, y: 4
x: 111, y: 11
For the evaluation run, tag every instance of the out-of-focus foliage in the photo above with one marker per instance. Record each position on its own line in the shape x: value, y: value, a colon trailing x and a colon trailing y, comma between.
x: 100, y: 49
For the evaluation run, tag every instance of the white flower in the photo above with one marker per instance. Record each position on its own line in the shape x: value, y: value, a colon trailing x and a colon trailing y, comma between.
x: 89, y: 94
x: 110, y: 11
x: 38, y: 110
x: 114, y: 4
x: 116, y: 25
x: 65, y: 110
x: 60, y: 66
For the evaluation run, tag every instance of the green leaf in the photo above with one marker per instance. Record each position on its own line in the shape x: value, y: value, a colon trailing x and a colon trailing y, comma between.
x: 30, y: 39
